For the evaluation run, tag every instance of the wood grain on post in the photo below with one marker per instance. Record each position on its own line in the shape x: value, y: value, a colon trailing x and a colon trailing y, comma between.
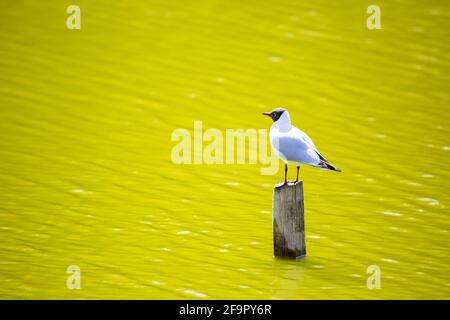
x: 288, y: 221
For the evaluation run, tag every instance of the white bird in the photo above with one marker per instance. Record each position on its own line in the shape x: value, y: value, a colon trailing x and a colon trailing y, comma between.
x: 292, y: 145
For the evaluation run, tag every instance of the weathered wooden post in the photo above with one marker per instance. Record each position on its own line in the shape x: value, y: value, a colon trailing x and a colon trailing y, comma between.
x: 288, y: 221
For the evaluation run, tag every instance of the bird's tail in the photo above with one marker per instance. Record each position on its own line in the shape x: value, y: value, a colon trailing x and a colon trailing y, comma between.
x: 329, y: 166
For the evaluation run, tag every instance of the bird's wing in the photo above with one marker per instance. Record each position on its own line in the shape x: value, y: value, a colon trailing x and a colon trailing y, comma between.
x: 308, y: 141
x: 302, y: 135
x: 294, y: 148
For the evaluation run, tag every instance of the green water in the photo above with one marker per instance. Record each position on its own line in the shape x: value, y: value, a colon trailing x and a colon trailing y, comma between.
x: 86, y: 174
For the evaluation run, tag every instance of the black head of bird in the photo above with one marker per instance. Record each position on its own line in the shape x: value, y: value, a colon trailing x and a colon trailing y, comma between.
x: 275, y: 114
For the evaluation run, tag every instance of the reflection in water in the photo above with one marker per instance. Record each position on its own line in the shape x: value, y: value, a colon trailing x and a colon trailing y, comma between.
x: 287, y: 284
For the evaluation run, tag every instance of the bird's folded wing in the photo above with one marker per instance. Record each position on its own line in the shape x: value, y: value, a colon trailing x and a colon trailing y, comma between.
x: 304, y: 137
x: 309, y: 141
x: 295, y: 148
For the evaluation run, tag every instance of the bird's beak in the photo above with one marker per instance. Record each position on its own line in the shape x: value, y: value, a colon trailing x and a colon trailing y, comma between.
x: 266, y: 113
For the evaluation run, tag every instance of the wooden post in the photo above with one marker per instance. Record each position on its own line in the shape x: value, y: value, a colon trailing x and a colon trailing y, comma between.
x: 288, y: 221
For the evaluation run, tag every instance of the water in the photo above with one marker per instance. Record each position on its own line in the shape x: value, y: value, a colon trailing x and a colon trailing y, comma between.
x: 86, y: 176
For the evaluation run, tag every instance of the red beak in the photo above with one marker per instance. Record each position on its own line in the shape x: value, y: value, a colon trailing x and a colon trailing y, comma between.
x: 266, y: 113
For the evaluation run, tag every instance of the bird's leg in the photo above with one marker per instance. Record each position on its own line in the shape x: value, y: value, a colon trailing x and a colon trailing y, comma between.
x: 285, y: 173
x: 298, y: 170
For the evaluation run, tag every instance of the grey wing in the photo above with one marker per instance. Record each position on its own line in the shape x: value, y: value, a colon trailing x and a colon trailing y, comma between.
x: 309, y: 141
x: 304, y: 137
x: 295, y: 149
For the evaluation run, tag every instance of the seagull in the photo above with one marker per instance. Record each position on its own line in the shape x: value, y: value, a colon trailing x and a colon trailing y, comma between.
x: 292, y: 145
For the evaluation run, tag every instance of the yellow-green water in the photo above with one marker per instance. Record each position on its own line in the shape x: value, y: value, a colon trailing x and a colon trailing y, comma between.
x: 86, y: 174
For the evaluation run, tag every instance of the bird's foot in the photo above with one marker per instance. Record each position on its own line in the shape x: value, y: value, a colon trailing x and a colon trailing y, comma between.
x: 285, y: 183
x: 281, y: 185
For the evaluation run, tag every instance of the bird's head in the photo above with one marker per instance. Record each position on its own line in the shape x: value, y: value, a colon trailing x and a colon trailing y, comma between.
x: 276, y: 113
